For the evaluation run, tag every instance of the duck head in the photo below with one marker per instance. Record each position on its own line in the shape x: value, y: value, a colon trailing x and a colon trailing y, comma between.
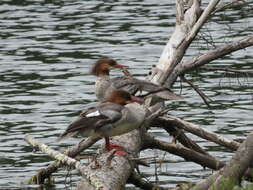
x: 103, y: 66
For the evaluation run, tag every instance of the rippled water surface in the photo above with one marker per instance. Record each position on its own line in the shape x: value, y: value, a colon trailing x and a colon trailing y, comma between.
x: 47, y: 48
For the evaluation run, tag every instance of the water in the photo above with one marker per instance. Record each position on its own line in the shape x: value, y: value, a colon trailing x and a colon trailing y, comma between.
x: 47, y: 48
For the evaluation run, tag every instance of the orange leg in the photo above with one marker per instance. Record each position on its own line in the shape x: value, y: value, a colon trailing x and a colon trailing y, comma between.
x: 119, y: 149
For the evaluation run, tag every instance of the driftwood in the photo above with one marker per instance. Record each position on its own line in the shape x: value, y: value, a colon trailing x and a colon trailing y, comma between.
x: 109, y: 171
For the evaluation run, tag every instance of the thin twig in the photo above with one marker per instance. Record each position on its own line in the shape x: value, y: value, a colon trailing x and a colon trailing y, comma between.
x: 201, y: 94
x: 211, y: 68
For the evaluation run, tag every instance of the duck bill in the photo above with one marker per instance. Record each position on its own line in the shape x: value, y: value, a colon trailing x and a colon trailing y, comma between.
x: 135, y: 99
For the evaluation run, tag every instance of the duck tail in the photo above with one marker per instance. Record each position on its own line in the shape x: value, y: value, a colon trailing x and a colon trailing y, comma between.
x: 163, y: 93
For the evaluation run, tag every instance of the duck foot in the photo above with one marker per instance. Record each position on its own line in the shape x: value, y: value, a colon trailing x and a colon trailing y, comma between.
x: 119, y: 150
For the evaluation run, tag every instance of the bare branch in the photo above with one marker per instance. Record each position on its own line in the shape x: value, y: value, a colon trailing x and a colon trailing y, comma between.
x: 232, y: 4
x: 178, y: 134
x: 196, y: 130
x: 182, y: 47
x: 45, y: 173
x: 57, y: 155
x: 201, y: 94
x: 210, y: 56
x: 211, y: 68
x: 187, y: 154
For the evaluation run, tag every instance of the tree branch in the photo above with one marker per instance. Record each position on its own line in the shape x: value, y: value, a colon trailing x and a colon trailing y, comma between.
x: 196, y: 130
x: 233, y: 172
x: 211, y: 68
x: 178, y: 134
x: 187, y: 154
x: 210, y: 56
x: 72, y: 152
x: 201, y: 94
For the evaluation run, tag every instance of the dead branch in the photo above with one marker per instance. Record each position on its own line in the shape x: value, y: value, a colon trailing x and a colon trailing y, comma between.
x: 209, y: 56
x: 57, y: 155
x: 211, y: 68
x: 178, y: 134
x: 229, y: 5
x: 204, y: 97
x: 179, y: 150
x: 186, y: 31
x: 196, y: 130
x: 235, y: 169
x: 72, y: 152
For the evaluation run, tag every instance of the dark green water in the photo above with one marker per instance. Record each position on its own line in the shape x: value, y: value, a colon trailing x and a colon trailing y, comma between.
x: 46, y: 51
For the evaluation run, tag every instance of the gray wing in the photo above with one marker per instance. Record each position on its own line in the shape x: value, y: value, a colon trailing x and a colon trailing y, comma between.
x: 128, y: 84
x: 133, y: 85
x: 93, y: 119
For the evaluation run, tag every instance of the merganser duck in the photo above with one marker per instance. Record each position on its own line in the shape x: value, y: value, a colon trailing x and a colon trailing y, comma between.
x: 105, y: 85
x: 112, y: 117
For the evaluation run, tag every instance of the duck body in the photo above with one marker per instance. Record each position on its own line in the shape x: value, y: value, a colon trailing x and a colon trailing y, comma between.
x: 105, y: 85
x: 108, y: 119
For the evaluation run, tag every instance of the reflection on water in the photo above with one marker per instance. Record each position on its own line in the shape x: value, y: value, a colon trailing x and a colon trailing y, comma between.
x: 47, y: 48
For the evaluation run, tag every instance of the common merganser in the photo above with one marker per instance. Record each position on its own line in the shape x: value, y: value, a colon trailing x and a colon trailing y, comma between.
x: 105, y: 85
x: 112, y: 117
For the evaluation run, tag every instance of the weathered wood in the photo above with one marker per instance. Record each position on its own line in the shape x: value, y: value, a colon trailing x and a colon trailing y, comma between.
x: 114, y: 175
x: 187, y: 154
x: 178, y: 134
x: 229, y: 176
x: 45, y: 173
x: 185, y: 31
x: 206, y: 183
x: 235, y: 169
x: 196, y: 130
x: 210, y: 56
x: 56, y: 155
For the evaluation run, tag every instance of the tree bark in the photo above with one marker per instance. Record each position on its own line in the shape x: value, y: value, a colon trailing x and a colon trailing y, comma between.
x: 114, y: 174
x: 45, y: 173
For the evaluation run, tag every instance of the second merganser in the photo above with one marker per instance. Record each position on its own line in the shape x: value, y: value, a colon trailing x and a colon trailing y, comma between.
x: 112, y: 117
x: 105, y: 85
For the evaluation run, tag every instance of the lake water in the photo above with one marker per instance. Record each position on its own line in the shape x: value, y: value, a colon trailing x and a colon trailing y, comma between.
x: 46, y: 51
